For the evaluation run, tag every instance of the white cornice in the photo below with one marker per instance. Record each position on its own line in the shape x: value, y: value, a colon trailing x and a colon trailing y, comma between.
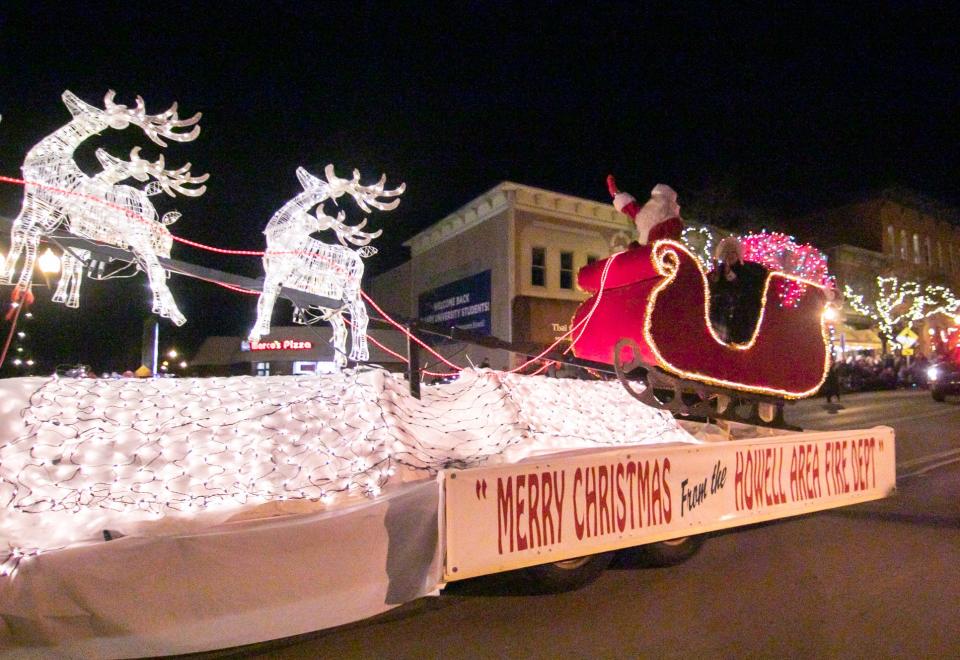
x: 567, y: 206
x: 522, y: 197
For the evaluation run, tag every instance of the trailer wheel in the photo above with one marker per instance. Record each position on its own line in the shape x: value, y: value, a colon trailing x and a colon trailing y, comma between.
x: 568, y: 574
x: 672, y: 552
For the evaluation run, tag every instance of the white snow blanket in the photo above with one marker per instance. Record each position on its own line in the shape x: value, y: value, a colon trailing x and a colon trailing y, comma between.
x: 162, y: 456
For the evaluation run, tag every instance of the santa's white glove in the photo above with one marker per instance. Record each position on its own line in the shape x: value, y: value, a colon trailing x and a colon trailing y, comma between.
x: 622, y: 199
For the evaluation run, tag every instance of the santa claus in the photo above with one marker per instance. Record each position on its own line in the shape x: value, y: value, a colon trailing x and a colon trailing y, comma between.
x: 658, y: 218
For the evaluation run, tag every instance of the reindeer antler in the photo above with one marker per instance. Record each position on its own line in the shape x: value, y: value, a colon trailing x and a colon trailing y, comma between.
x: 345, y: 233
x: 365, y: 196
x: 317, y: 191
x: 171, y: 181
x: 156, y: 127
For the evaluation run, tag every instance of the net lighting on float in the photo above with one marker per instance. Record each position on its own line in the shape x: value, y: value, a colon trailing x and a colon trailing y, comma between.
x: 96, y: 454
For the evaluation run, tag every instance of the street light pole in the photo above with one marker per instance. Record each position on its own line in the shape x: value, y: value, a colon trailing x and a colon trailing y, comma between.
x: 149, y: 346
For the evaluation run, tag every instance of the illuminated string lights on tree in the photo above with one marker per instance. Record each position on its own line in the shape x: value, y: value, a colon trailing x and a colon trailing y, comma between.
x: 700, y: 241
x: 894, y: 304
x: 296, y: 260
x: 58, y: 194
x: 781, y: 253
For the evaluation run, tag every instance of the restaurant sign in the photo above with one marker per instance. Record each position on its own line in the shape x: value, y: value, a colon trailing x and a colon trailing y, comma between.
x: 277, y: 345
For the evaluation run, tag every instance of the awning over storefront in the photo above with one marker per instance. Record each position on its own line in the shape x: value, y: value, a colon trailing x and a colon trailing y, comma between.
x: 855, y: 339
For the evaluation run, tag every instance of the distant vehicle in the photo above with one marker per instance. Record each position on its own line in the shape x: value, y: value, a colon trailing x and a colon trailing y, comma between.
x: 944, y: 379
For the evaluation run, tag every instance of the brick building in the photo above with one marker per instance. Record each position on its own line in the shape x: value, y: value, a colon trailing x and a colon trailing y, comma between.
x: 896, y: 232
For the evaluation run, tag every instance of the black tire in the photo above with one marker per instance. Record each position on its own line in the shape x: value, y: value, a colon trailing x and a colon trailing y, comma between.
x: 938, y: 396
x: 567, y: 575
x: 671, y: 553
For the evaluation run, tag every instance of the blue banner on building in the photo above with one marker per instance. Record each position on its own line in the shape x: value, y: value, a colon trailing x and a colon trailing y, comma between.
x: 463, y: 304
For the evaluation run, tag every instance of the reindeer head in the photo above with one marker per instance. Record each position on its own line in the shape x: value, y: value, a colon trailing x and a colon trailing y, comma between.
x: 169, y: 181
x: 156, y: 127
x: 365, y: 197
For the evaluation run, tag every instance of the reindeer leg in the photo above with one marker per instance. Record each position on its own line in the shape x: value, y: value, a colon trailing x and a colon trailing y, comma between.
x: 339, y: 339
x: 163, y: 304
x: 35, y: 220
x: 21, y: 225
x: 73, y: 299
x: 30, y: 243
x: 268, y: 298
x: 359, y: 320
x: 66, y: 278
x: 10, y: 263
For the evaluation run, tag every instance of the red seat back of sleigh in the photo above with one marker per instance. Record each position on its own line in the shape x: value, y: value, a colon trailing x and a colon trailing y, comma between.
x: 658, y: 296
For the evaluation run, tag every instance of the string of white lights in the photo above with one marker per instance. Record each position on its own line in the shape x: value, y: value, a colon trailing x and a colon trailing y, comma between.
x: 88, y: 455
x: 894, y: 303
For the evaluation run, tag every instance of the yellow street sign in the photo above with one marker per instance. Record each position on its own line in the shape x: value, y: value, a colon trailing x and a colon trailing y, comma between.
x: 907, y: 338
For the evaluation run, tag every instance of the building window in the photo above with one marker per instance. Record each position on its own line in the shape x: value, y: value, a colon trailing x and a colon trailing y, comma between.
x: 591, y: 258
x: 891, y: 240
x: 916, y: 249
x: 940, y: 255
x: 538, y: 268
x: 928, y: 251
x: 903, y: 245
x: 304, y: 368
x: 263, y: 368
x: 566, y: 270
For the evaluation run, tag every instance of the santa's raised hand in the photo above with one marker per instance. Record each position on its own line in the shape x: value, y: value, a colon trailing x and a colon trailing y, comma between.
x: 658, y: 218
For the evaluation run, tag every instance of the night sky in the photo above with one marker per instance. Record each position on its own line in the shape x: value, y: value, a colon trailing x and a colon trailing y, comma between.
x: 789, y: 109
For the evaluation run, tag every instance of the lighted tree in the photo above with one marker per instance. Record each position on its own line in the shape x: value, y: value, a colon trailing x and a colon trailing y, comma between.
x: 895, y: 305
x: 700, y: 240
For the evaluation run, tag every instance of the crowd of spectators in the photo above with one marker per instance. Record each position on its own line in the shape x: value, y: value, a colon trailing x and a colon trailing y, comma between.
x: 858, y: 373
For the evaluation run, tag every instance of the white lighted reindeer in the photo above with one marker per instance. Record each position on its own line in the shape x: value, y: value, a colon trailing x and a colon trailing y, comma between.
x: 59, y: 193
x: 296, y: 260
x: 156, y: 233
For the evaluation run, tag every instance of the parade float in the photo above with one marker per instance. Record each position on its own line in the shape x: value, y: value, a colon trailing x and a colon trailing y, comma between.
x: 162, y: 516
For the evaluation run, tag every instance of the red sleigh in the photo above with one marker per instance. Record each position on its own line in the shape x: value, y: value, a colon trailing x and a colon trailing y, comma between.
x: 650, y: 311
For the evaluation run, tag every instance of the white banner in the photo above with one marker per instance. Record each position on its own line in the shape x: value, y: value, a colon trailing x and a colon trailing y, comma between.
x: 563, y: 506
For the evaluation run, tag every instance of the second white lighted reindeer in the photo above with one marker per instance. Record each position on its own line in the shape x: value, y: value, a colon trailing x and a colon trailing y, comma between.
x: 154, y: 232
x: 295, y: 260
x: 59, y: 194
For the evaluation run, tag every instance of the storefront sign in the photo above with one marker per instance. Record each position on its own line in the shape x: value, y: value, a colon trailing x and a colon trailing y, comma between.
x: 512, y: 516
x: 463, y: 304
x: 277, y: 345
